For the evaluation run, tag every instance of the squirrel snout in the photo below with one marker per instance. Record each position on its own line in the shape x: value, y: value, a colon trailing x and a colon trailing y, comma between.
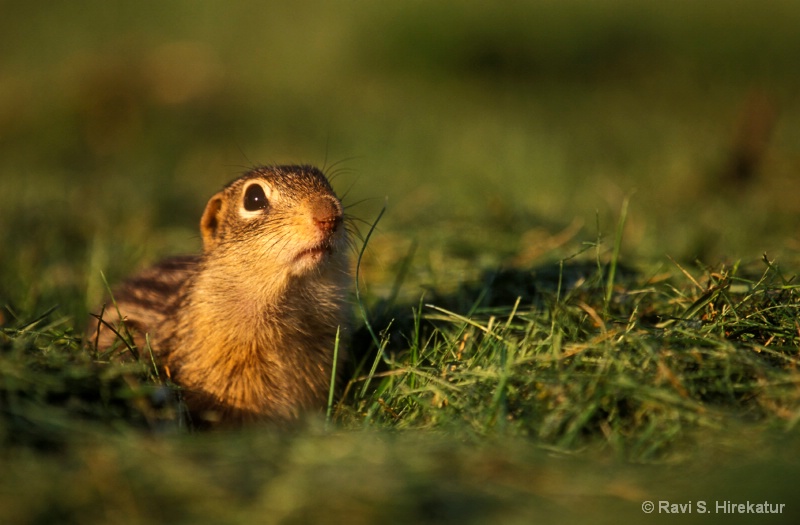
x: 327, y: 215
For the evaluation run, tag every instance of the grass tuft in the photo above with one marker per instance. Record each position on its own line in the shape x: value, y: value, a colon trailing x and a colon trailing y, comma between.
x: 667, y: 359
x: 54, y: 390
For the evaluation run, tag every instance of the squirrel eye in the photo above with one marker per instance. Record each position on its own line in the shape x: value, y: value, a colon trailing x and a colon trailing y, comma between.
x: 254, y: 198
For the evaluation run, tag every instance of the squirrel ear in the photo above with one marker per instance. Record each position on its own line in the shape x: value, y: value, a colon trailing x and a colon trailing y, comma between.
x: 209, y: 224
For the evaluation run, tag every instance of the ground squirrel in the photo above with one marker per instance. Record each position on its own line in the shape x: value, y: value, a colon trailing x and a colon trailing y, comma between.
x: 248, y: 328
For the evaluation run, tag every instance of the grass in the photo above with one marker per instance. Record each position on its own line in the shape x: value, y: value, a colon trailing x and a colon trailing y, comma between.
x: 664, y: 356
x: 680, y: 364
x: 581, y: 295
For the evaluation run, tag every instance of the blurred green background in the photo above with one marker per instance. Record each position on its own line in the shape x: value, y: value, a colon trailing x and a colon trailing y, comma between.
x: 496, y: 134
x: 486, y: 129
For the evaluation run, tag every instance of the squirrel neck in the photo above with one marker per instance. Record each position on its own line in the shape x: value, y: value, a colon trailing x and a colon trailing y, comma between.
x: 234, y: 294
x: 254, y: 341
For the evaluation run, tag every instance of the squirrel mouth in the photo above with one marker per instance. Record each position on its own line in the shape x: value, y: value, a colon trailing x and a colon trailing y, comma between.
x: 315, y: 253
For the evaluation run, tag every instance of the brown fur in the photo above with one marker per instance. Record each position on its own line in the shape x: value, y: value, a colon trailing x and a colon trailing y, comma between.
x: 247, y: 329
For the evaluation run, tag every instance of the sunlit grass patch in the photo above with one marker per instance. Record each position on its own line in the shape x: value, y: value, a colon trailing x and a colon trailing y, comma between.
x: 638, y: 373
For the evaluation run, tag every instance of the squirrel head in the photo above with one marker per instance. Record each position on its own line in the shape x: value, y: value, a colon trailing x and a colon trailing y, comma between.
x: 287, y: 215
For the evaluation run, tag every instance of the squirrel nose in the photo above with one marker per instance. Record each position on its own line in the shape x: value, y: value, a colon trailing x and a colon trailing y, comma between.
x: 327, y: 215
